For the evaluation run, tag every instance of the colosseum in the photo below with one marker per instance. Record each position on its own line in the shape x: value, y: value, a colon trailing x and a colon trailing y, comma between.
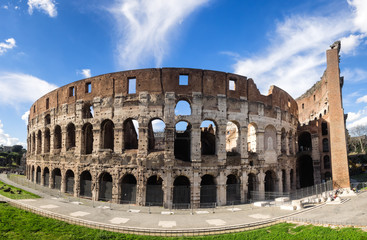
x: 179, y: 136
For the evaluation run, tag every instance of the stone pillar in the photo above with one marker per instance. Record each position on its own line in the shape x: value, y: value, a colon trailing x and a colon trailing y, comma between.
x: 169, y: 117
x: 280, y: 181
x: 63, y: 139
x: 195, y: 189
x: 287, y: 180
x: 96, y: 137
x: 167, y: 190
x: 95, y: 187
x: 76, y: 184
x: 221, y: 189
x: 260, y: 141
x: 118, y: 136
x: 279, y: 142
x: 43, y: 141
x: 243, y: 144
x: 115, y: 189
x: 63, y: 181
x: 315, y: 155
x: 52, y: 142
x: 51, y: 180
x: 78, y: 140
x: 42, y: 178
x: 261, y: 186
x: 221, y: 142
x: 287, y: 143
x: 169, y: 152
x: 195, y: 142
x: 244, y: 186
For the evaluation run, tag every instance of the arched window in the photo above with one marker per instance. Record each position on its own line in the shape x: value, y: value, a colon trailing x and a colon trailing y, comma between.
x: 47, y: 119
x: 87, y: 110
x: 46, y: 177
x: 325, y: 145
x: 251, y: 137
x: 156, y: 135
x: 87, y: 138
x: 107, y: 128
x: 57, y: 137
x: 86, y: 184
x: 39, y: 141
x: 47, y: 141
x: 70, y: 136
x: 324, y: 129
x: 232, y: 136
x: 105, y: 187
x: 182, y: 148
x: 131, y: 134
x: 283, y: 141
x: 326, y: 162
x: 69, y: 177
x: 208, y: 136
x: 183, y: 108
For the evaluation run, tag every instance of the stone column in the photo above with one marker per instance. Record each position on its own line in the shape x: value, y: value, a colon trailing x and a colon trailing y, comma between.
x: 261, y: 186
x: 63, y: 181
x: 260, y: 141
x: 167, y: 190
x: 96, y: 137
x: 280, y: 181
x: 115, y: 189
x: 42, y: 178
x: 169, y: 152
x: 279, y: 142
x: 221, y: 142
x: 244, y: 186
x: 43, y: 141
x: 287, y: 143
x: 243, y: 144
x: 76, y: 184
x: 52, y: 142
x: 195, y: 142
x: 63, y: 139
x: 195, y: 189
x: 315, y: 154
x: 221, y: 189
x: 118, y: 136
x: 51, y: 179
x: 78, y: 140
x: 287, y: 180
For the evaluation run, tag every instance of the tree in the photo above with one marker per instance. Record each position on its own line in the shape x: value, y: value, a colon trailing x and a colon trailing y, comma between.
x: 17, y: 148
x: 358, y: 142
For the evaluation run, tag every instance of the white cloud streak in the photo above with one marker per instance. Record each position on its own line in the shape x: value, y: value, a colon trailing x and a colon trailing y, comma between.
x: 7, y: 45
x: 362, y: 99
x: 85, y: 73
x: 145, y: 28
x: 46, y: 6
x: 25, y: 117
x: 18, y: 88
x: 296, y: 55
x: 6, y: 140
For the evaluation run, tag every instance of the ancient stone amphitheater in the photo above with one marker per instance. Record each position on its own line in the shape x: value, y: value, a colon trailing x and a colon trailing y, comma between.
x: 173, y: 137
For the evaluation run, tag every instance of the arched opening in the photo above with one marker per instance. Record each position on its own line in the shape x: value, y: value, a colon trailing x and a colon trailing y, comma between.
x: 39, y: 141
x: 47, y: 141
x: 270, y: 138
x: 47, y: 119
x: 251, y: 186
x: 128, y: 189
x: 291, y: 177
x: 290, y: 142
x: 154, y: 192
x: 105, y: 187
x: 208, y: 136
x: 325, y: 145
x: 327, y: 162
x: 182, y: 148
x: 131, y: 134
x: 181, y: 192
x: 183, y: 108
x: 156, y: 131
x: 38, y: 175
x: 46, y: 177
x: 86, y: 184
x: 69, y: 178
x: 233, y: 190
x: 284, y: 180
x: 270, y: 178
x: 251, y: 137
x: 107, y: 135
x: 56, y: 173
x: 70, y: 136
x: 283, y: 141
x: 57, y: 137
x: 33, y: 143
x: 328, y: 176
x: 304, y: 142
x: 32, y: 176
x: 87, y: 138
x: 208, y: 190
x: 324, y: 129
x: 87, y: 110
x: 305, y: 168
x: 232, y: 136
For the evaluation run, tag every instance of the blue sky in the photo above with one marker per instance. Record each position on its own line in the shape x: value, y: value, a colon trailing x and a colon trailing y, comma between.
x: 46, y: 44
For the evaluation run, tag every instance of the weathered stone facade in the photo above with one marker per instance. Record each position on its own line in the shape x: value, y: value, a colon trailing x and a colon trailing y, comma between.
x: 82, y: 139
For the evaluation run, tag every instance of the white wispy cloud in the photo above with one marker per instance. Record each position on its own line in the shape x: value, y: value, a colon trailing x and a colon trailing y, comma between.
x: 7, y: 45
x: 85, y: 73
x: 145, y: 27
x: 6, y: 139
x: 46, y: 6
x: 25, y: 117
x: 362, y: 99
x: 355, y: 74
x: 357, y: 118
x: 296, y: 56
x: 18, y: 88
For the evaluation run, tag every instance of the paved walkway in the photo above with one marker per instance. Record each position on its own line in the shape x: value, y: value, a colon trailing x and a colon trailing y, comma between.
x: 353, y: 211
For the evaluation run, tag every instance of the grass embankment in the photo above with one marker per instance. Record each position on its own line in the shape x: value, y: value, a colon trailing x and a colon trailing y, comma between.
x: 20, y: 224
x: 14, y: 192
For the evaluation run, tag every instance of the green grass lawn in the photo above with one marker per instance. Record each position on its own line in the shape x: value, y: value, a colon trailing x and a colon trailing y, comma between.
x: 20, y: 224
x: 15, y: 195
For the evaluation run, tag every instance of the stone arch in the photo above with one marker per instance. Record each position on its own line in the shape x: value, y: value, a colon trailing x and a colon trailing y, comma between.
x: 85, y: 184
x: 69, y: 180
x: 56, y: 176
x: 70, y: 136
x: 270, y: 138
x: 208, y: 190
x: 87, y: 110
x: 208, y: 137
x: 107, y: 134
x: 181, y: 192
x: 38, y: 175
x: 251, y: 137
x: 39, y: 142
x: 154, y: 191
x: 270, y: 179
x: 57, y: 137
x: 251, y: 186
x: 47, y: 139
x: 87, y: 139
x: 305, y: 168
x: 128, y: 189
x: 156, y: 135
x: 232, y: 138
x: 105, y: 187
x: 182, y: 145
x: 183, y: 108
x: 46, y: 177
x: 47, y: 119
x: 304, y: 142
x: 131, y: 134
x: 233, y: 191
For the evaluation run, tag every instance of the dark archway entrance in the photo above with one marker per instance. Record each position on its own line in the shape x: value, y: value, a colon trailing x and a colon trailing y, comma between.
x: 57, y: 178
x: 304, y: 142
x: 69, y: 177
x: 105, y: 187
x: 154, y: 192
x: 233, y: 190
x: 46, y: 177
x: 270, y: 178
x: 38, y: 175
x: 181, y: 192
x: 251, y: 187
x: 305, y: 168
x: 208, y: 191
x: 86, y: 184
x: 128, y: 189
